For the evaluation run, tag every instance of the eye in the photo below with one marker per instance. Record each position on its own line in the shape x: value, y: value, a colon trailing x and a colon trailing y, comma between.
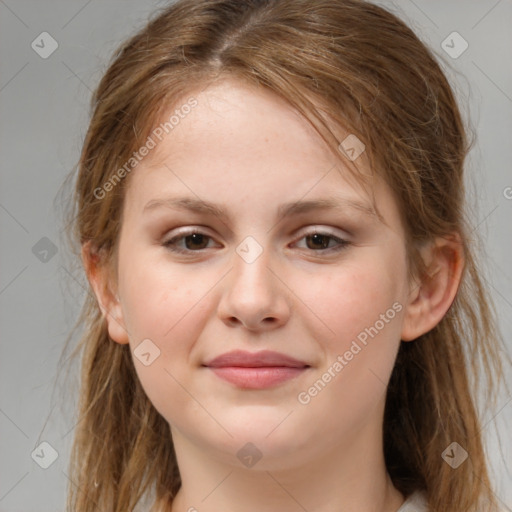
x: 319, y: 241
x: 194, y: 241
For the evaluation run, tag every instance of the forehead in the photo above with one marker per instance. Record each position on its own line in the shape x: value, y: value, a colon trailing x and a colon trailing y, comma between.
x: 246, y: 139
x: 236, y: 119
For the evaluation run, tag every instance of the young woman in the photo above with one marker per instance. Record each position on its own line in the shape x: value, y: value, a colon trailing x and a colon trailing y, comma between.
x: 287, y: 312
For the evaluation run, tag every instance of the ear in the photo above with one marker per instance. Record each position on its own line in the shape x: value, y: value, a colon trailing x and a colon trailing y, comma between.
x: 430, y: 299
x: 101, y: 282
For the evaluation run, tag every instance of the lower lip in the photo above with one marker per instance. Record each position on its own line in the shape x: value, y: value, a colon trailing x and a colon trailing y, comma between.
x: 257, y: 378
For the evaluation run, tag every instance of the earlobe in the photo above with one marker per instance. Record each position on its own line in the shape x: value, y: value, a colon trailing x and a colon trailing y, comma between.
x: 430, y: 299
x: 108, y: 301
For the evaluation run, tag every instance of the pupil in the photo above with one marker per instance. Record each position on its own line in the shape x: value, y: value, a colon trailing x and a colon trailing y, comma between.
x: 318, y: 239
x: 196, y: 238
x: 322, y: 240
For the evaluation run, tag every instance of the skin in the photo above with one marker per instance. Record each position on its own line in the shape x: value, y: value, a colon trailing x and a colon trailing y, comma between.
x: 249, y: 152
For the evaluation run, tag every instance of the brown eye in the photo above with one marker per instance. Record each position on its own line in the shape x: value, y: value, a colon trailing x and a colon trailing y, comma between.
x: 194, y: 242
x: 320, y: 242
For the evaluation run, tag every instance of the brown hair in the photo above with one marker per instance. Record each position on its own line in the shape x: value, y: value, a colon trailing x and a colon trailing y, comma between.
x: 346, y: 62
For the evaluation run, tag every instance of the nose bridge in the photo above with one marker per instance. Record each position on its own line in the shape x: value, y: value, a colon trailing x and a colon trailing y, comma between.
x: 253, y: 293
x: 251, y: 272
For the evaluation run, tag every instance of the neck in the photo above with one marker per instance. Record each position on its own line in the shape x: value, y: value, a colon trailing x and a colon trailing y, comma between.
x: 351, y: 477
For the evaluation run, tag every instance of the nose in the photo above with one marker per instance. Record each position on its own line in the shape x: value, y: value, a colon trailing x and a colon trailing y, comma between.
x: 254, y: 295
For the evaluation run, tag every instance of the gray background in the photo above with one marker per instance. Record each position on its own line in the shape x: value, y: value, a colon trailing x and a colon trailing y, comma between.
x: 43, y: 117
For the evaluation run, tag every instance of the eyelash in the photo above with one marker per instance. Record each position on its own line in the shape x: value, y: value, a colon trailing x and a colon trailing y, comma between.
x: 169, y: 243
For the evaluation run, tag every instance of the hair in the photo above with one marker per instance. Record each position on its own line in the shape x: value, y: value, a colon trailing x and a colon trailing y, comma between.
x: 341, y: 63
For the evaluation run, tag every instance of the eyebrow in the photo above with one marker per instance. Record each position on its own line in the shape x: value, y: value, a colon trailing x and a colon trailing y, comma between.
x: 293, y: 208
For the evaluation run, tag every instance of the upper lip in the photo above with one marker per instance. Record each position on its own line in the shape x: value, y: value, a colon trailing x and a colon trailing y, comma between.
x: 254, y: 360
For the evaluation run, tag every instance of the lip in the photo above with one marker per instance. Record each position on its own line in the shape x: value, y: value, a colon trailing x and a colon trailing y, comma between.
x: 256, y: 370
x: 260, y: 359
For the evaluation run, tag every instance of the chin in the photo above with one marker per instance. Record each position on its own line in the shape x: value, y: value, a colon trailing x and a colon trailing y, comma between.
x: 275, y: 448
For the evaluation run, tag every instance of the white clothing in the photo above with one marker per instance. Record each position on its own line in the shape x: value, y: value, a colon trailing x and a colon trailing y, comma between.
x: 416, y: 502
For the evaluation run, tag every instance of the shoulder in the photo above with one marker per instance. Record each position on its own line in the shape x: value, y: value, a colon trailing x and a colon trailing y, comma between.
x: 416, y: 502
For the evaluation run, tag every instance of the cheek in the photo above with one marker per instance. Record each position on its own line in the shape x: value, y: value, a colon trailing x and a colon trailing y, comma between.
x: 167, y: 309
x: 161, y: 298
x: 362, y: 307
x: 356, y: 298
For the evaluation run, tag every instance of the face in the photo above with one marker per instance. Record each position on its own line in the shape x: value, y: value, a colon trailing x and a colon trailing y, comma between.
x: 322, y: 285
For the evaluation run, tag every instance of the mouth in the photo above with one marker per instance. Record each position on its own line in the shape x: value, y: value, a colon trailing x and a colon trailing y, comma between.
x: 258, y: 370
x: 257, y: 377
